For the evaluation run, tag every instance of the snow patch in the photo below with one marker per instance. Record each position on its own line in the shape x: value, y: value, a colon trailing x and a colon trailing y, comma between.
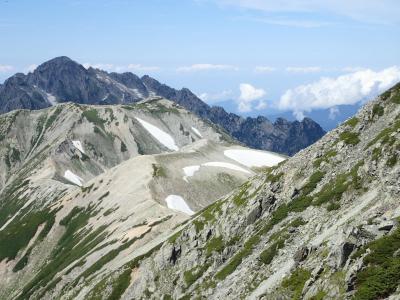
x: 73, y: 178
x: 196, y: 131
x: 103, y: 78
x: 163, y: 137
x: 253, y: 158
x: 225, y: 165
x: 189, y: 171
x: 78, y: 145
x: 51, y: 98
x: 137, y: 93
x: 176, y: 202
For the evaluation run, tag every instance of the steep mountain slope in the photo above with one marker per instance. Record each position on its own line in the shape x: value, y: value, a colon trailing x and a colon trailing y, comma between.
x: 96, y: 138
x: 63, y: 80
x: 86, y: 188
x: 321, y: 225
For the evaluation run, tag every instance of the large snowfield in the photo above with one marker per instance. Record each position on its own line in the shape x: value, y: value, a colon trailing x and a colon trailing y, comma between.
x: 163, y: 137
x: 253, y: 158
x: 176, y: 202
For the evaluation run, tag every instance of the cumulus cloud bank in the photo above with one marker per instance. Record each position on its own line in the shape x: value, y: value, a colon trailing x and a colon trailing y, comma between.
x: 250, y: 95
x: 346, y: 89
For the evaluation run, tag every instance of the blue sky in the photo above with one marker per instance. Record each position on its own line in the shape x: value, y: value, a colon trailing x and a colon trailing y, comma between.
x: 251, y: 56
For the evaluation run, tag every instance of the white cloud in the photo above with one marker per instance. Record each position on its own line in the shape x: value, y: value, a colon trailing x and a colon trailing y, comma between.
x: 101, y: 66
x: 31, y: 68
x: 248, y: 95
x: 333, y: 112
x: 346, y: 89
x: 303, y: 69
x: 6, y: 68
x: 264, y: 69
x: 207, y: 67
x: 299, y: 115
x: 261, y: 105
x: 250, y: 98
x: 122, y: 68
x: 216, y: 97
x: 244, y: 107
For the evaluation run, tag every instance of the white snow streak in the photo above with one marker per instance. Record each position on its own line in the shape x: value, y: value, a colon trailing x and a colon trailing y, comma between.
x: 196, y: 131
x: 51, y: 98
x: 73, y: 178
x: 176, y: 202
x: 78, y: 145
x: 137, y: 93
x: 163, y: 137
x: 253, y: 158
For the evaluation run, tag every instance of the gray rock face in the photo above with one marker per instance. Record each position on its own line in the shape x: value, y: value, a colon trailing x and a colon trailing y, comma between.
x: 327, y: 240
x: 63, y: 80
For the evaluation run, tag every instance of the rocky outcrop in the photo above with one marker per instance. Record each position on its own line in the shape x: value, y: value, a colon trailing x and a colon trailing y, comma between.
x: 321, y: 225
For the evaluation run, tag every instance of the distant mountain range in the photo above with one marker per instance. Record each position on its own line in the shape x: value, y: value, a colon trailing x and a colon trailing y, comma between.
x: 64, y: 80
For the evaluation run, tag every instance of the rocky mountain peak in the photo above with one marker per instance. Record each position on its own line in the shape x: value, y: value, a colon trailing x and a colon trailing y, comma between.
x: 60, y: 61
x: 60, y: 67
